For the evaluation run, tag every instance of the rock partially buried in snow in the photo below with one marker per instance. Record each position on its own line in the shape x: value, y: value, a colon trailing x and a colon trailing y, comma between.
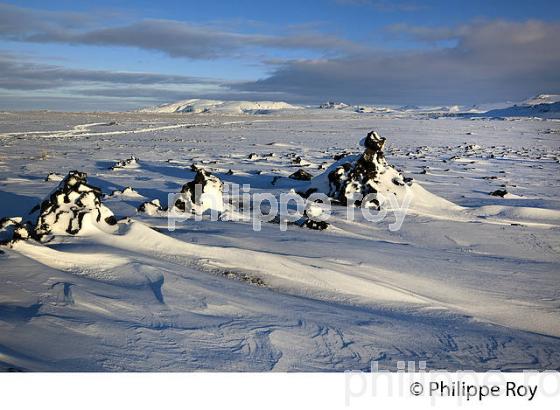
x: 127, y: 192
x: 312, y: 217
x: 54, y: 177
x: 71, y: 207
x: 129, y: 163
x: 301, y: 162
x: 499, y: 192
x: 301, y: 175
x: 13, y: 229
x: 151, y: 208
x: 202, y: 194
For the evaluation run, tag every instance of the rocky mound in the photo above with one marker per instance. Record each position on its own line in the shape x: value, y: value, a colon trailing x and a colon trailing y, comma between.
x: 71, y: 207
x: 355, y: 176
x: 201, y: 194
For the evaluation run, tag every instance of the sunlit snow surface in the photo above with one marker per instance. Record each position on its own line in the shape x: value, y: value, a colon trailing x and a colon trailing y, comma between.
x: 472, y: 286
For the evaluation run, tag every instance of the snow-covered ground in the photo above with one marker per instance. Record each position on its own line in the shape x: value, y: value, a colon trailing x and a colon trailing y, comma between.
x: 470, y: 281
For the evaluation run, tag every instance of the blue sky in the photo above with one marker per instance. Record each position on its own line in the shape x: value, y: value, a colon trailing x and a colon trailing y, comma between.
x: 125, y: 54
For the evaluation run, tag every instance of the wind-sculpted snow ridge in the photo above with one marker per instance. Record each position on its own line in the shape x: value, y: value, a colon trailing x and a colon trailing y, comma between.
x: 72, y: 207
x: 203, y: 193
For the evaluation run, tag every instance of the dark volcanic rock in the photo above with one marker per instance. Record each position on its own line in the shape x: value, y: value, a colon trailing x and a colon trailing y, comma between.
x: 499, y: 192
x: 301, y: 175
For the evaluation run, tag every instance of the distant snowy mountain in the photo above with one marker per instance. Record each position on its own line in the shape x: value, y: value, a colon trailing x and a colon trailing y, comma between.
x: 223, y: 107
x: 541, y: 106
x: 542, y: 99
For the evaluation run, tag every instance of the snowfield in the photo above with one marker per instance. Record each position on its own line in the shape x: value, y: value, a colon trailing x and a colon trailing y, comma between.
x: 470, y: 281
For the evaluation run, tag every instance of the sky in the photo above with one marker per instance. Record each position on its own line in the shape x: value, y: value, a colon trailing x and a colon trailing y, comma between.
x: 124, y: 54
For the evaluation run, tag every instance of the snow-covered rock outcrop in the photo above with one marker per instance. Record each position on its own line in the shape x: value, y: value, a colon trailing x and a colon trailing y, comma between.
x: 73, y: 207
x: 203, y: 193
x: 365, y: 174
x: 369, y: 181
x: 13, y: 229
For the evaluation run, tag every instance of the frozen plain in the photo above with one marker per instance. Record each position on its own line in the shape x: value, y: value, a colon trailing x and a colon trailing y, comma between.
x: 473, y: 285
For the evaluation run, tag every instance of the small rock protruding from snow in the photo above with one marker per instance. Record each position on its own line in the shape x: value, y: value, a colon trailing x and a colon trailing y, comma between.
x: 72, y: 206
x: 128, y: 192
x: 340, y: 155
x: 301, y: 175
x: 301, y: 162
x: 53, y: 177
x: 128, y: 163
x: 151, y: 208
x: 499, y: 192
x: 204, y: 193
x: 311, y: 217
